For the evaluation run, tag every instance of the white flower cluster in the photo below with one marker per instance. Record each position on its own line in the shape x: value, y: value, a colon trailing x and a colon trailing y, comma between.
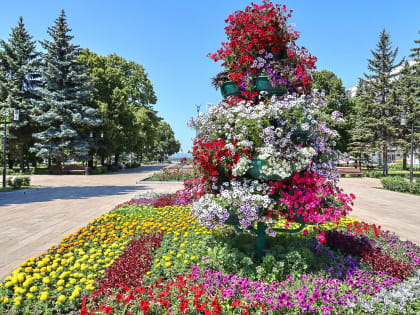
x: 243, y: 199
x: 283, y: 166
x: 241, y: 166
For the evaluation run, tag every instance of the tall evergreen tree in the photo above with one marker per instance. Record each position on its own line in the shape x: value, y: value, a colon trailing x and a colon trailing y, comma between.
x: 18, y: 80
x: 383, y: 111
x: 65, y: 110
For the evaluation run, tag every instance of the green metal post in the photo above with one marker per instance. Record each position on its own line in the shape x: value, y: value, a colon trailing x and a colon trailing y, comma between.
x: 260, y: 240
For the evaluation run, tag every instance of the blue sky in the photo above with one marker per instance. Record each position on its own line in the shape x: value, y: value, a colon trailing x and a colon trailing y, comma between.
x: 171, y: 38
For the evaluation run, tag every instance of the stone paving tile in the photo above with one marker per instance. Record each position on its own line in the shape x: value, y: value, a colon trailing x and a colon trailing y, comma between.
x: 34, y: 219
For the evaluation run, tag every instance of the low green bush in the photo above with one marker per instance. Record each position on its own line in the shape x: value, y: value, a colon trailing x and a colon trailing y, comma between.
x: 18, y: 182
x: 401, y: 184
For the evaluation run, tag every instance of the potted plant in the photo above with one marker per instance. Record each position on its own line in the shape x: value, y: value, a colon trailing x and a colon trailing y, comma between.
x: 261, y: 43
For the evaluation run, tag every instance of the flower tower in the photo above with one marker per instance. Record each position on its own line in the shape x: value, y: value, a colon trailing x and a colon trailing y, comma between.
x: 266, y: 152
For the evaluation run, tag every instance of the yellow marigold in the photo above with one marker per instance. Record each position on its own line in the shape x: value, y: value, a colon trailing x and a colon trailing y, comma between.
x: 5, y: 300
x: 43, y: 296
x: 46, y: 280
x: 29, y: 296
x: 33, y: 289
x: 168, y: 264
x: 60, y: 288
x: 17, y: 300
x: 61, y: 298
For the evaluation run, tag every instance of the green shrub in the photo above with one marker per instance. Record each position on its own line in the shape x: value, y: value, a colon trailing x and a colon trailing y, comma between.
x: 18, y: 182
x: 401, y: 184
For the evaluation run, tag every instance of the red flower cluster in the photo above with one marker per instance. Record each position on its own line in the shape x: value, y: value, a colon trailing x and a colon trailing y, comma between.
x: 179, y: 295
x: 128, y: 269
x: 214, y: 160
x: 261, y: 27
x: 363, y: 227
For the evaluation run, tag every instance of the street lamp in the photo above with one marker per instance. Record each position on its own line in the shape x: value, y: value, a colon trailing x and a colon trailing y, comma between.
x: 412, y: 127
x: 5, y: 122
x: 96, y: 146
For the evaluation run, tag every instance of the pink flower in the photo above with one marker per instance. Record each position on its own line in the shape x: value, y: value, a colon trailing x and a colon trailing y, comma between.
x: 321, y: 237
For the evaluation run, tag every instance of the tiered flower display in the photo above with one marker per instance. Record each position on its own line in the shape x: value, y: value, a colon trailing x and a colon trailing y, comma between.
x: 261, y: 43
x: 266, y: 158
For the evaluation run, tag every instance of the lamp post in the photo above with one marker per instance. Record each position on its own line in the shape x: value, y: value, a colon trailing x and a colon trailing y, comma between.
x: 96, y: 145
x: 412, y: 127
x: 5, y: 122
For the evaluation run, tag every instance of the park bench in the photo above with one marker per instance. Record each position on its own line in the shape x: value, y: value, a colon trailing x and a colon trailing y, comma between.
x: 349, y: 171
x: 68, y: 168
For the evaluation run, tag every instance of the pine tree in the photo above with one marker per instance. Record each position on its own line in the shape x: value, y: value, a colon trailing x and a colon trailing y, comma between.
x: 18, y: 80
x: 383, y: 112
x: 65, y: 110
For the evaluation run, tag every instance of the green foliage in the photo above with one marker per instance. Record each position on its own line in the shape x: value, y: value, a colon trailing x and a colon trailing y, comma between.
x: 401, y: 184
x: 332, y: 86
x: 19, y: 79
x: 18, y: 182
x: 68, y: 115
x: 378, y: 115
x: 123, y: 95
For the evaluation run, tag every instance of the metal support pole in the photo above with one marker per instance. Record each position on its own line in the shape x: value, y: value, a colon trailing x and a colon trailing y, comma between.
x: 4, y: 156
x: 412, y: 153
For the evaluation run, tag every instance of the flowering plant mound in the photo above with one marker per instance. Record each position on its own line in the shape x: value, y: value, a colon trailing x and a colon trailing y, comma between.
x: 261, y: 42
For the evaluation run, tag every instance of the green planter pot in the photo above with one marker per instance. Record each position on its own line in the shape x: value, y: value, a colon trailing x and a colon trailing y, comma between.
x: 230, y: 88
x: 263, y: 84
x: 255, y: 171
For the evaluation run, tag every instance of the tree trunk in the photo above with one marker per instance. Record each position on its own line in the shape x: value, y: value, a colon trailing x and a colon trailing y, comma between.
x: 102, y: 160
x: 22, y: 162
x: 10, y: 161
x: 404, y: 161
x: 385, y: 160
x: 116, y: 158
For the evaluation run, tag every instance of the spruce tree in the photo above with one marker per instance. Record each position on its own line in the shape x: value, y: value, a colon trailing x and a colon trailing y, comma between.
x: 383, y: 111
x: 65, y: 110
x: 19, y: 77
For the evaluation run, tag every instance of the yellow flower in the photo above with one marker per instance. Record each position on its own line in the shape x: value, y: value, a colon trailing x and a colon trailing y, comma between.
x: 192, y: 258
x: 46, y: 280
x: 168, y: 264
x: 5, y: 300
x: 33, y: 289
x: 29, y: 296
x: 178, y: 256
x: 17, y: 300
x: 186, y: 261
x: 61, y: 298
x: 60, y: 288
x: 175, y: 239
x: 148, y: 273
x: 8, y: 284
x: 43, y: 296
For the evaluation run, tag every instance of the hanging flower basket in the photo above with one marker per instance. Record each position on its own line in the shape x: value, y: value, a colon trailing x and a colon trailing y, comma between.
x: 255, y: 171
x: 262, y: 83
x: 230, y: 88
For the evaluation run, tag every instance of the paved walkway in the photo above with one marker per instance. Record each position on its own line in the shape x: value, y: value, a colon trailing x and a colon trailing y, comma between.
x: 34, y: 219
x: 393, y: 211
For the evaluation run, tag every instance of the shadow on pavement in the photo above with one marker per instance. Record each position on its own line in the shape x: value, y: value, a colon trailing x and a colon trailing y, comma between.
x: 42, y: 194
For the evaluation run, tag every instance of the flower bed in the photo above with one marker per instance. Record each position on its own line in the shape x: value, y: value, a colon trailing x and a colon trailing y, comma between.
x: 142, y: 260
x: 179, y: 173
